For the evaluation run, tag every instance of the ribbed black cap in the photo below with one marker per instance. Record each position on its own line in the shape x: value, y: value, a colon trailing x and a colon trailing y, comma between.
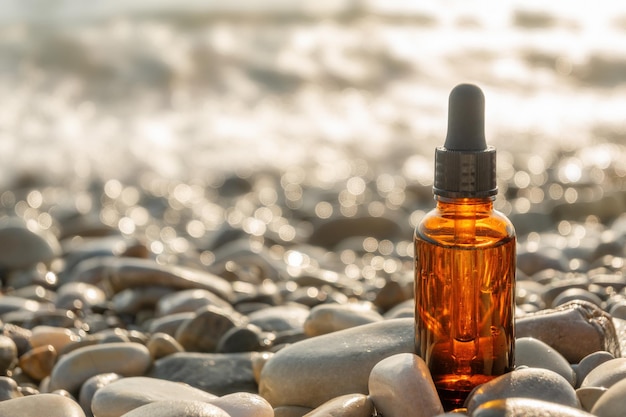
x: 465, y: 167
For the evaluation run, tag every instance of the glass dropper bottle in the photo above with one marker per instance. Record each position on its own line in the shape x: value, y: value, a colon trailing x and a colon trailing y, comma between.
x: 464, y: 261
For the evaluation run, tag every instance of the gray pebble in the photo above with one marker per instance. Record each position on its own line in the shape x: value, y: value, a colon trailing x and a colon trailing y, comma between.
x: 280, y: 318
x: 606, y: 374
x: 526, y: 407
x: 91, y: 385
x: 8, y: 354
x: 536, y: 354
x: 588, y: 396
x: 613, y: 402
x: 203, y: 332
x: 535, y: 383
x: 590, y: 362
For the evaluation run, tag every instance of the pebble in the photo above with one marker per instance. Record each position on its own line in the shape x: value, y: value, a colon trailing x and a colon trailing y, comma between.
x: 162, y: 344
x: 349, y: 405
x: 315, y: 370
x: 575, y: 330
x: 280, y: 318
x: 588, y: 396
x: 178, y: 408
x: 126, y: 394
x: 245, y: 338
x: 79, y: 295
x: 536, y: 383
x: 243, y: 404
x: 188, y: 301
x: 218, y: 374
x: 8, y: 354
x: 291, y: 411
x: 74, y: 368
x: 401, y: 385
x: 612, y: 403
x: 38, y: 362
x: 49, y: 405
x: 590, y: 362
x: 169, y: 324
x: 328, y: 318
x: 55, y: 336
x: 526, y: 407
x: 91, y: 386
x: 8, y: 389
x: 536, y: 354
x: 202, y: 333
x: 606, y: 374
x: 22, y: 246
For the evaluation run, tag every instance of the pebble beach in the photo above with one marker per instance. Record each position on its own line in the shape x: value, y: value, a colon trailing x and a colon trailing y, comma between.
x: 208, y: 211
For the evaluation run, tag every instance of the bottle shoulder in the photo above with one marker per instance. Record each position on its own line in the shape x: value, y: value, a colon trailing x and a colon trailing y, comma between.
x: 487, y: 227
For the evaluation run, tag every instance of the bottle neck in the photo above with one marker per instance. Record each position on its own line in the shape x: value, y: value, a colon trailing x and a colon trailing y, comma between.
x: 481, y: 204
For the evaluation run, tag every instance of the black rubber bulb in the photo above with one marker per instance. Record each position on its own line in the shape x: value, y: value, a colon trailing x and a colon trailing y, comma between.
x: 466, y: 119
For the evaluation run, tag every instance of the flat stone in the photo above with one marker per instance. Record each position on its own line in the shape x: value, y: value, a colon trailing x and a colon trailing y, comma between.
x: 328, y: 318
x: 535, y: 383
x: 313, y: 371
x: 575, y: 330
x: 606, y: 374
x: 536, y: 354
x: 244, y: 404
x: 613, y: 402
x: 126, y: 394
x: 74, y: 368
x: 216, y: 373
x: 203, y: 332
x: 526, y: 407
x: 401, y: 385
x: 177, y: 408
x: 49, y: 405
x: 349, y: 405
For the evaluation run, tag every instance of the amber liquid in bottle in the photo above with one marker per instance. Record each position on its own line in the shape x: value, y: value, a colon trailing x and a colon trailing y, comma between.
x: 464, y: 293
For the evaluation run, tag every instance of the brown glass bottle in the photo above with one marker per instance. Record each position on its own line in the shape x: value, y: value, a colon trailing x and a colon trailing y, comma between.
x: 464, y: 283
x: 464, y: 262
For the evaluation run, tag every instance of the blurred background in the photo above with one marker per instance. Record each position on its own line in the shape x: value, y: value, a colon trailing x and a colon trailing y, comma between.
x: 333, y: 90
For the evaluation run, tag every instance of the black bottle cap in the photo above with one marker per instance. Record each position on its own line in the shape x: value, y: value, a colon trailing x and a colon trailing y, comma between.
x: 465, y: 167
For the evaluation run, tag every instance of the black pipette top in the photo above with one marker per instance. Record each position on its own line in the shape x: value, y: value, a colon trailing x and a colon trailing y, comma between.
x: 465, y: 167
